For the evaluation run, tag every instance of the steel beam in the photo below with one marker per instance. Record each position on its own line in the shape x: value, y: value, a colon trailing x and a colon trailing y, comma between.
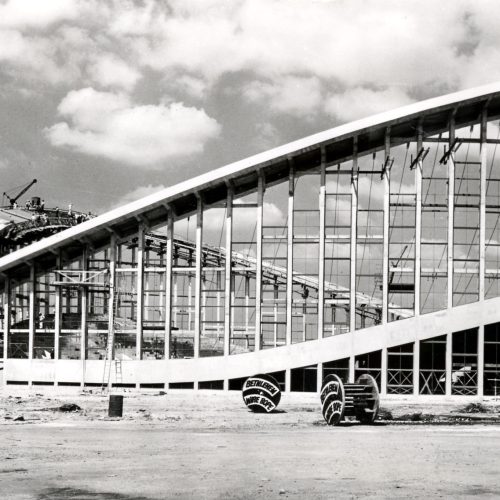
x: 31, y: 321
x: 289, y: 267
x: 6, y: 318
x: 354, y: 233
x: 451, y: 218
x: 112, y: 295
x: 418, y: 262
x: 140, y: 290
x: 84, y: 312
x: 482, y: 245
x: 321, y: 266
x: 385, y: 261
x: 385, y: 250
x: 57, y: 312
x: 418, y: 218
x: 227, y: 276
x: 168, y: 283
x: 258, y: 270
x: 197, y: 287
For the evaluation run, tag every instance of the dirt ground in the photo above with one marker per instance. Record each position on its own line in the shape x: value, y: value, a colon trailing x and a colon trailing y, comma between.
x: 208, y: 445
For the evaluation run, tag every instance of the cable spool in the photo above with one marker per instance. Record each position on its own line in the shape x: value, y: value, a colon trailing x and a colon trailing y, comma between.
x: 261, y: 393
x: 360, y: 400
x: 366, y: 403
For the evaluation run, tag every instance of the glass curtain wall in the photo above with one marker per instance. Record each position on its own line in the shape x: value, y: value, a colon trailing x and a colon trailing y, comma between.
x: 125, y: 307
x: 274, y: 265
x: 243, y: 269
x: 213, y: 283
x: 183, y: 288
x: 98, y: 304
x: 18, y: 340
x: 154, y: 300
x: 402, y: 200
x: 71, y: 312
x: 337, y: 249
x: 434, y: 242
x: 466, y: 219
x: 45, y: 298
x: 305, y: 277
x: 369, y: 245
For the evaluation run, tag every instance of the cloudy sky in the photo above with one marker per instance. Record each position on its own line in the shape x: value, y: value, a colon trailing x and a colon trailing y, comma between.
x: 107, y: 101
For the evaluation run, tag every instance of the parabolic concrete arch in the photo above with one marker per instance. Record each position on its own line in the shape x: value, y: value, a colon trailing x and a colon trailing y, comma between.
x: 373, y: 247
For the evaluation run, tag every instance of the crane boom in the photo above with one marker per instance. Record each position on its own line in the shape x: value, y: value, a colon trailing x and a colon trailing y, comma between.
x: 13, y: 200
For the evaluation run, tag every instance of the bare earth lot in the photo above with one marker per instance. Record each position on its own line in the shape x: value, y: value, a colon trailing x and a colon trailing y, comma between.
x: 207, y: 445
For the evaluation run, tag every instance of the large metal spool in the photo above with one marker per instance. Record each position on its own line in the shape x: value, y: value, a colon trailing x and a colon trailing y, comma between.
x: 340, y: 401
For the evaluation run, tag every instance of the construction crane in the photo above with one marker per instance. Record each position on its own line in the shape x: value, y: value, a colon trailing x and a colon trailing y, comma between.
x: 14, y: 200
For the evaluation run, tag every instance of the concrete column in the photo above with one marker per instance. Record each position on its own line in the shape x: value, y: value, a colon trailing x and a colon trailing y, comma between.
x: 57, y: 312
x: 451, y: 218
x: 385, y: 261
x: 32, y: 319
x: 197, y: 288
x: 140, y: 290
x: 418, y: 219
x: 383, y: 372
x: 113, y: 296
x: 321, y: 267
x: 319, y: 377
x: 289, y: 267
x: 416, y: 368
x: 288, y: 380
x: 482, y: 247
x: 258, y: 270
x: 352, y: 371
x: 168, y: 284
x: 418, y: 258
x: 449, y: 359
x: 354, y: 233
x: 84, y: 303
x: 6, y: 318
x: 228, y: 287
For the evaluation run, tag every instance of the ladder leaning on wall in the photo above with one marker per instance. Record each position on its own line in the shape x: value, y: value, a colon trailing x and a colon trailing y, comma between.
x: 109, y: 360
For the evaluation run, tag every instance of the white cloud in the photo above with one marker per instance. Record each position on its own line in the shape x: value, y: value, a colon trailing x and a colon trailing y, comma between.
x: 110, y: 71
x: 108, y: 124
x: 293, y: 50
x: 37, y: 58
x: 36, y: 13
x: 188, y: 85
x: 360, y: 102
x: 293, y: 95
x: 137, y: 194
x: 266, y: 136
x: 12, y: 45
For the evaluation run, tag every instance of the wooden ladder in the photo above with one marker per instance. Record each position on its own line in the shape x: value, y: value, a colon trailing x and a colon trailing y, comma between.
x: 108, y: 360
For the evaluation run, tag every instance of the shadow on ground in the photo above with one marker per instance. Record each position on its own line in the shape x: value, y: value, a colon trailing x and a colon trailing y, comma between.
x: 79, y: 494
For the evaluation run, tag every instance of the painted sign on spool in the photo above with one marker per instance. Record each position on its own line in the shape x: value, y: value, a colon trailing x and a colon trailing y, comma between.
x: 332, y: 399
x: 261, y: 393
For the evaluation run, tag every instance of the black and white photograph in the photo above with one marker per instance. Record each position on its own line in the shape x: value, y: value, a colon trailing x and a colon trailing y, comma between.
x: 249, y: 249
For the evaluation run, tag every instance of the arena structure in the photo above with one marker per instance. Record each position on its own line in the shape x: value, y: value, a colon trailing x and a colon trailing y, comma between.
x: 373, y: 247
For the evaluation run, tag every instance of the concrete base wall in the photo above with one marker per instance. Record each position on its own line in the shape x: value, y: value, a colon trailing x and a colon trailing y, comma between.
x: 135, y: 373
